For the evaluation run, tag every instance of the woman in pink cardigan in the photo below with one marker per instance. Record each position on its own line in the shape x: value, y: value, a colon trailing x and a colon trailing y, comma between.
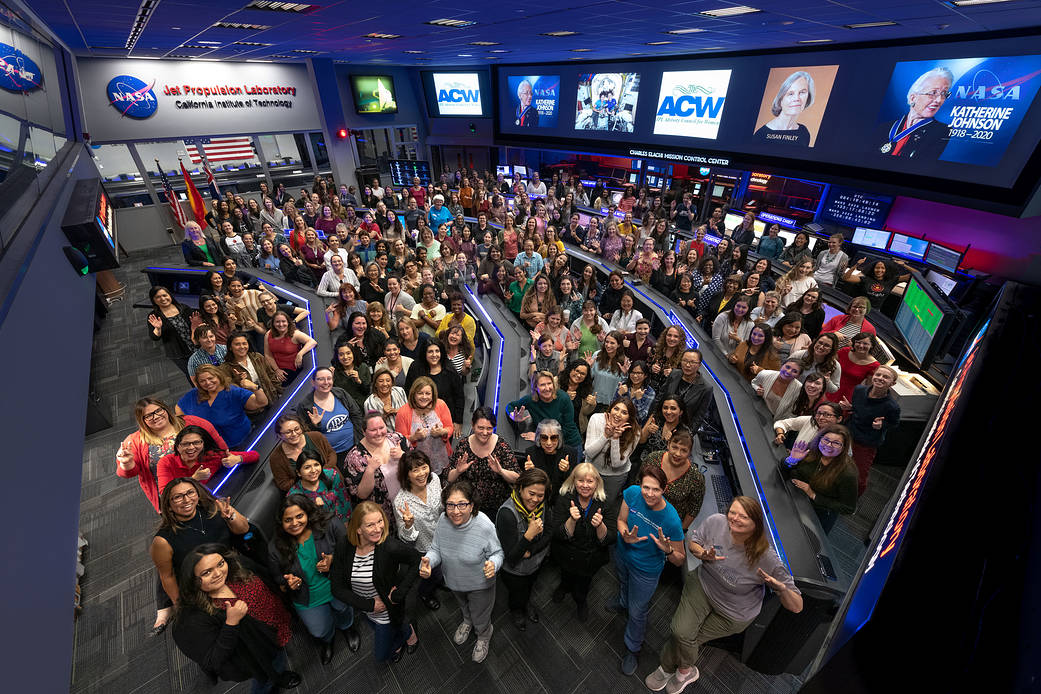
x: 852, y: 322
x: 427, y: 423
x: 157, y: 427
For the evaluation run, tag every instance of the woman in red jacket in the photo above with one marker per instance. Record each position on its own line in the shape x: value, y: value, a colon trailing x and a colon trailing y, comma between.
x: 197, y: 455
x: 852, y: 322
x: 157, y: 427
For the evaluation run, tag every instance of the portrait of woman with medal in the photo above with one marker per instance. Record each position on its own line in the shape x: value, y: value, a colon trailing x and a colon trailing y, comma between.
x: 917, y: 134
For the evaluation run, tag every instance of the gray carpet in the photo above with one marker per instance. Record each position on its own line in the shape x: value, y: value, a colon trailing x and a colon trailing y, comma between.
x: 113, y: 653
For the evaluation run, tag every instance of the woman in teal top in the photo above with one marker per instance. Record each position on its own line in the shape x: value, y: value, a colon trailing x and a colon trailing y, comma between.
x: 324, y: 486
x: 300, y: 556
x: 589, y: 329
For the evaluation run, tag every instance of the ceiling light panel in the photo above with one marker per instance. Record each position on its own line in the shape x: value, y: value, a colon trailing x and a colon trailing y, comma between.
x: 272, y: 6
x: 731, y: 11
x: 453, y: 23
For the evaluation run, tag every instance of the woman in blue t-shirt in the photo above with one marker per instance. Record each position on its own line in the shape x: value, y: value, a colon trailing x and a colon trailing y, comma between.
x: 221, y: 404
x: 649, y: 532
x: 331, y: 411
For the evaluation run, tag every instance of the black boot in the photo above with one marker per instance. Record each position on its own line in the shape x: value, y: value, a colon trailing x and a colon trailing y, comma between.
x: 353, y: 638
x: 327, y: 650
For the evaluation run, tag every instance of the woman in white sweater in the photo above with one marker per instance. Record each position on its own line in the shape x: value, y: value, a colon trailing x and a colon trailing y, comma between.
x: 779, y: 389
x: 329, y: 285
x: 731, y: 328
x: 611, y: 438
x: 807, y: 426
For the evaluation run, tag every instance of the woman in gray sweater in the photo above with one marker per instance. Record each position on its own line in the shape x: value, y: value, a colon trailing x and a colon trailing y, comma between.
x: 467, y: 549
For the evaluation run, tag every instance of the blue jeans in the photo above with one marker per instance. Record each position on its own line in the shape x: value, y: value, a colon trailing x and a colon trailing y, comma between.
x: 388, y: 638
x: 635, y: 590
x: 267, y: 686
x: 322, y: 620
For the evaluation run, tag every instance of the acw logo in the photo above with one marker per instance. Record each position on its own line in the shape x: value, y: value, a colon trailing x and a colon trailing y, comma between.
x: 687, y: 100
x: 455, y: 93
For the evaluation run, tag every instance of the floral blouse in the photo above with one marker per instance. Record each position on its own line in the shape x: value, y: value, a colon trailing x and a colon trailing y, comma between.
x: 490, y: 486
x: 354, y: 468
x: 686, y: 492
x: 332, y: 497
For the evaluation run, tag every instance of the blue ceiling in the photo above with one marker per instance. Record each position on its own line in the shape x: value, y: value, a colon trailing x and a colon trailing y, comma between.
x: 606, y: 28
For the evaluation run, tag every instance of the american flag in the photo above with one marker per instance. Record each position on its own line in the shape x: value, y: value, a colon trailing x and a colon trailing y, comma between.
x: 220, y: 149
x: 171, y: 197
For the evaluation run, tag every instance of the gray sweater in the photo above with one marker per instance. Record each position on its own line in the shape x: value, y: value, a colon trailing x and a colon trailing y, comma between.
x: 462, y: 551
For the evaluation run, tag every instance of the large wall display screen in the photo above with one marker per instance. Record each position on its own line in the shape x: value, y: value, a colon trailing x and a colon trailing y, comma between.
x: 457, y: 94
x: 160, y: 99
x: 932, y: 111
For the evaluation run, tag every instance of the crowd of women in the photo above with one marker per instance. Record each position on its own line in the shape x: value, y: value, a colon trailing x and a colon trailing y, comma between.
x: 388, y: 499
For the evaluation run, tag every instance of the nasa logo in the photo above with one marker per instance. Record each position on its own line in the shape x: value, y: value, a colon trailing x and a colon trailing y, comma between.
x: 132, y: 97
x: 18, y: 72
x: 546, y: 92
x: 986, y: 86
x: 456, y: 93
x: 691, y: 100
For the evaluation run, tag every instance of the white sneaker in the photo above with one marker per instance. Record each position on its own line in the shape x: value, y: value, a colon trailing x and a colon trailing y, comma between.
x: 462, y: 633
x: 657, y: 680
x: 680, y: 681
x: 480, y: 651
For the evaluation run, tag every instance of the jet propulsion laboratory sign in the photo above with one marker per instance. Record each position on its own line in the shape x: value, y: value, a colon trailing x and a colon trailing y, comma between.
x: 133, y: 99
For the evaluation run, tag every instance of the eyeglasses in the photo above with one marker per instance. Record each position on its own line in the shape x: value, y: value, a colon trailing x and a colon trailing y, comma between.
x: 830, y: 415
x: 292, y: 432
x: 178, y: 498
x: 549, y: 437
x: 193, y: 444
x: 831, y: 444
x: 935, y: 94
x: 461, y: 506
x: 154, y: 414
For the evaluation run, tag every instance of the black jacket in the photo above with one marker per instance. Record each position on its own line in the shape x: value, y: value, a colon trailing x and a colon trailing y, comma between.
x: 550, y: 464
x: 323, y: 544
x: 194, y: 256
x: 696, y: 397
x: 174, y: 347
x: 396, y: 565
x: 582, y: 553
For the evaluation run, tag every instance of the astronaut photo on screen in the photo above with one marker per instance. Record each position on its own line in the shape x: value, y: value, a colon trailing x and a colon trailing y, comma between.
x: 607, y: 101
x: 527, y: 114
x: 917, y: 134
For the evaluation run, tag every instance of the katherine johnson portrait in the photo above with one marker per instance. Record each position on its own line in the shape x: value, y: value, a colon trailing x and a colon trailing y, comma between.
x: 916, y: 133
x: 527, y: 114
x: 793, y: 105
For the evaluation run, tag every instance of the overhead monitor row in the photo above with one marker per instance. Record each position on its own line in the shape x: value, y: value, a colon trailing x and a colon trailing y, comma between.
x: 964, y: 111
x: 449, y: 94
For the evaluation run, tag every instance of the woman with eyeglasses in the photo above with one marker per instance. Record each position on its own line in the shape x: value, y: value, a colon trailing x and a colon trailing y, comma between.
x: 189, y: 517
x: 466, y: 547
x: 823, y: 469
x: 230, y: 620
x: 195, y: 454
x: 852, y: 322
x: 295, y: 442
x: 550, y: 455
x: 806, y: 426
x: 157, y: 428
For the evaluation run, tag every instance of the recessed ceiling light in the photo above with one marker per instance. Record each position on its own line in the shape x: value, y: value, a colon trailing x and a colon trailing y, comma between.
x: 732, y: 11
x: 559, y: 33
x: 454, y: 23
x: 692, y: 30
x: 304, y: 50
x: 970, y: 3
x: 251, y: 43
x: 210, y: 43
x: 378, y: 35
x: 491, y: 57
x: 414, y: 52
x: 465, y: 55
x: 284, y: 57
x: 498, y: 50
x: 581, y: 50
x: 175, y: 28
x: 815, y: 41
x: 241, y: 25
x: 295, y: 7
x: 870, y: 25
x: 657, y: 43
x: 485, y: 43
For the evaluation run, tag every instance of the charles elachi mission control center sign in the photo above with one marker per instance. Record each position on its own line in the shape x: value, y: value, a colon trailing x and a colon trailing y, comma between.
x: 139, y: 99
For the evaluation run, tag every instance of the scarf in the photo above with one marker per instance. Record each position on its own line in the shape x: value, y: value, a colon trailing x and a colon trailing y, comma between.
x: 525, y: 514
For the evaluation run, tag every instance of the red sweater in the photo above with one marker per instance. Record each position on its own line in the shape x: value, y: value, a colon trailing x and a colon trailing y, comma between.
x: 135, y: 443
x: 171, y: 466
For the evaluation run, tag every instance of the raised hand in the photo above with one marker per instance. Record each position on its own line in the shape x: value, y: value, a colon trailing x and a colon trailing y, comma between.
x: 564, y: 465
x: 123, y: 456
x: 315, y: 415
x: 201, y: 474
x: 235, y: 612
x: 575, y: 512
x: 294, y: 582
x: 770, y: 581
x: 662, y: 542
x: 845, y: 404
x: 709, y: 555
x: 324, y: 563
x: 626, y: 363
x: 877, y: 422
x: 406, y: 516
x: 799, y: 450
x: 156, y: 323
x: 623, y: 389
x: 424, y: 568
x: 630, y: 536
x: 520, y: 414
x: 598, y: 519
x: 534, y: 529
x: 528, y: 464
x: 588, y: 356
x: 489, y: 569
x: 231, y: 460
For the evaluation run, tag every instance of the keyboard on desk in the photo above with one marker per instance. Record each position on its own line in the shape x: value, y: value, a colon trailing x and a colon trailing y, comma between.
x: 724, y: 494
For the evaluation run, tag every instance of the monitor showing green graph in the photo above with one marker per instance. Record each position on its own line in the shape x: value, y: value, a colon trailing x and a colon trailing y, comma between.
x: 374, y: 94
x: 918, y: 319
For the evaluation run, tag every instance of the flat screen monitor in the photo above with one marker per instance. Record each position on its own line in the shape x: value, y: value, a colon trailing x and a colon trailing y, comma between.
x: 943, y: 257
x: 457, y: 94
x: 918, y: 319
x: 503, y: 169
x: 616, y: 196
x: 374, y: 94
x: 871, y: 238
x: 908, y: 246
x: 717, y: 191
x: 634, y: 178
x: 732, y: 220
x: 521, y: 171
x: 945, y: 283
